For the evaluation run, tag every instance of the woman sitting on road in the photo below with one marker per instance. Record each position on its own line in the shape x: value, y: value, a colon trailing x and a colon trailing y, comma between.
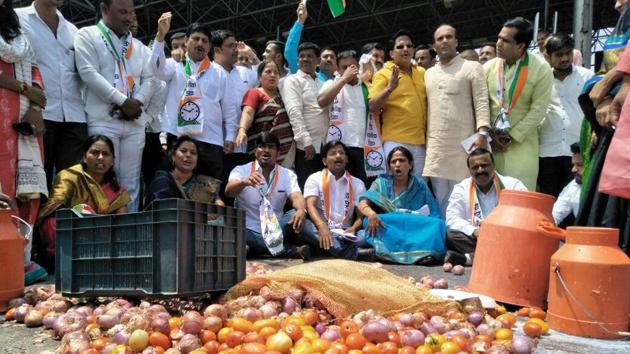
x: 181, y: 181
x: 263, y: 111
x: 403, y: 218
x: 90, y: 187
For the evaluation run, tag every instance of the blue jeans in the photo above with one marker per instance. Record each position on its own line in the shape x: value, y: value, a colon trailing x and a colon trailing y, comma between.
x: 257, y: 245
x: 339, y: 248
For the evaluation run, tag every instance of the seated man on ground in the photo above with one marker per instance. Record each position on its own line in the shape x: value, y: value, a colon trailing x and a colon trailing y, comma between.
x: 471, y: 201
x: 262, y: 188
x: 90, y: 186
x: 403, y: 218
x: 181, y: 180
x: 331, y: 198
x: 568, y: 202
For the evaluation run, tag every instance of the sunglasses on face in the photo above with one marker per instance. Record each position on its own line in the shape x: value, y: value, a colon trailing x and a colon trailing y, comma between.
x: 403, y: 46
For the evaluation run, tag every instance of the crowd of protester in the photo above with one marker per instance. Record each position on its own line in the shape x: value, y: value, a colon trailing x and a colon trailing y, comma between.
x: 397, y: 151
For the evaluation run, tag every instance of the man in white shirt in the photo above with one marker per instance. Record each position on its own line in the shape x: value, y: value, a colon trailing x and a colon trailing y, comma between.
x: 562, y: 123
x: 264, y: 177
x: 114, y: 68
x: 197, y: 97
x: 345, y: 99
x: 308, y: 120
x: 331, y: 199
x: 238, y: 82
x: 51, y: 37
x: 568, y: 202
x: 463, y: 215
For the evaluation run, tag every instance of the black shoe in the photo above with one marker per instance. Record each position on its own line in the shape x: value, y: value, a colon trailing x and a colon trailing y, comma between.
x: 367, y: 255
x: 455, y: 258
x: 303, y: 253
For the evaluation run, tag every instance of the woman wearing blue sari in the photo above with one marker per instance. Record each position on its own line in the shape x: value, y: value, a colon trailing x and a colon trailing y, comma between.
x: 402, y: 217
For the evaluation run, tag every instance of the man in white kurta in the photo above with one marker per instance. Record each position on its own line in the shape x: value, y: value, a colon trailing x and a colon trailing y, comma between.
x: 458, y: 108
x: 463, y: 215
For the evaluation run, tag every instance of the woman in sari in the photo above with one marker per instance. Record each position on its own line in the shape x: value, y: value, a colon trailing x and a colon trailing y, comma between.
x: 89, y: 187
x: 181, y: 181
x: 263, y: 111
x: 598, y: 209
x: 21, y: 126
x: 402, y: 217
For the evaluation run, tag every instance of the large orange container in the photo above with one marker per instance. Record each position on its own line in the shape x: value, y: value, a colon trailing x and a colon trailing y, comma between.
x: 596, y: 277
x: 11, y: 260
x: 512, y: 256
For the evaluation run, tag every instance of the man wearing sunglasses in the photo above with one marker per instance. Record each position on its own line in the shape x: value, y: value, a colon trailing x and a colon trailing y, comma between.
x: 398, y: 93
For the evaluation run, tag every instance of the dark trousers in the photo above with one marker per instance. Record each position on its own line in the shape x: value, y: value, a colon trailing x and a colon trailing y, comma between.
x: 63, y: 143
x: 554, y: 173
x: 459, y: 242
x: 356, y: 165
x: 210, y: 158
x: 153, y: 159
x: 305, y: 168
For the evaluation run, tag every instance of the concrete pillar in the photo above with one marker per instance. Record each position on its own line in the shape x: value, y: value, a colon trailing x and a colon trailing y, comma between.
x: 583, y: 28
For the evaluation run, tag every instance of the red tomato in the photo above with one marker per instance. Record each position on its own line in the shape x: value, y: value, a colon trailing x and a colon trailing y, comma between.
x: 294, y: 331
x: 310, y: 317
x: 532, y: 329
x: 537, y: 313
x: 507, y: 320
x: 388, y: 347
x: 394, y: 337
x: 523, y: 311
x: 253, y: 348
x: 99, y: 343
x: 355, y: 341
x: 212, y: 347
x: 348, y: 327
x: 460, y: 340
x: 235, y: 338
x: 207, y: 335
x: 158, y: 339
x: 253, y: 337
x: 407, y: 350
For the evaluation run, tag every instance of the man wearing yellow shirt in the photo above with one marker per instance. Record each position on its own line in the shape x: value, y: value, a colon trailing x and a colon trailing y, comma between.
x: 398, y: 92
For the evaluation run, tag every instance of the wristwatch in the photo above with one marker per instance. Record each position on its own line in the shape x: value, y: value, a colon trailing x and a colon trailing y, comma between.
x: 36, y: 108
x: 23, y: 87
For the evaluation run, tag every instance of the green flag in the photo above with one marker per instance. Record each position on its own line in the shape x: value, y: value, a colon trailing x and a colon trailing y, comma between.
x: 337, y: 7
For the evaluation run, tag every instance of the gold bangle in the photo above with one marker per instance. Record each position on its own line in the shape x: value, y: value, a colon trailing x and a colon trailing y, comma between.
x: 36, y: 108
x: 245, y: 129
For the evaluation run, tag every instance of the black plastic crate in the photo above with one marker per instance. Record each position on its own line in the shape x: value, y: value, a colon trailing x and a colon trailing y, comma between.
x: 170, y: 250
